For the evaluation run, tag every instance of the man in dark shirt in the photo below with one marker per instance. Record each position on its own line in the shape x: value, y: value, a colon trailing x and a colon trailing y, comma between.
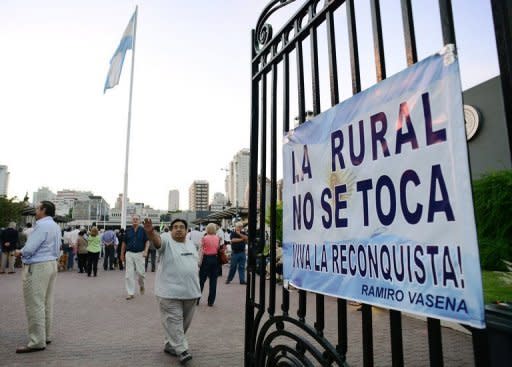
x: 238, y: 242
x: 9, y: 240
x: 134, y: 250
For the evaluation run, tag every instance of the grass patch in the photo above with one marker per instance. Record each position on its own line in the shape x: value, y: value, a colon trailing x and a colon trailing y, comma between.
x: 497, y: 286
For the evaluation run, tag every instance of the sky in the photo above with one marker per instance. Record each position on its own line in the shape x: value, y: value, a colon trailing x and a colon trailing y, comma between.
x: 191, y: 91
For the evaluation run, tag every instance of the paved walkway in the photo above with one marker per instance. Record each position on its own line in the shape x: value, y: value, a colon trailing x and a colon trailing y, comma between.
x: 95, y: 326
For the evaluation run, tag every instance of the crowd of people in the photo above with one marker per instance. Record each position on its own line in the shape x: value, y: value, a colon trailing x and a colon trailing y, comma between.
x: 184, y: 259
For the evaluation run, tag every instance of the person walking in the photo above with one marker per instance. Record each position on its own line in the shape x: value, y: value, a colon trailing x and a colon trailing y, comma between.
x: 93, y: 251
x: 67, y: 249
x: 134, y: 250
x: 109, y: 241
x: 28, y: 229
x: 9, y: 242
x: 238, y: 242
x: 196, y: 236
x: 220, y: 234
x: 209, y: 262
x: 151, y: 254
x: 39, y: 274
x: 176, y: 285
x: 81, y: 249
x: 120, y: 240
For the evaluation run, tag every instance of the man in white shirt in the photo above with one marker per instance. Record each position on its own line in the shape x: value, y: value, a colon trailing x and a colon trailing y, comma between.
x: 196, y: 236
x: 176, y: 284
x: 68, y: 248
x: 220, y: 234
x: 28, y: 229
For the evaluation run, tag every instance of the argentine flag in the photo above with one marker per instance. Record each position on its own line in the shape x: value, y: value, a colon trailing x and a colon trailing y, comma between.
x: 116, y: 63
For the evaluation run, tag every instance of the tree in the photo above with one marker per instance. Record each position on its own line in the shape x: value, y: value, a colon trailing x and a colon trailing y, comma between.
x: 10, y: 211
x: 279, y: 220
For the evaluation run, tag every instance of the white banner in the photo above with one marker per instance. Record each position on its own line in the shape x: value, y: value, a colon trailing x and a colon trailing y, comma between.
x: 377, y: 198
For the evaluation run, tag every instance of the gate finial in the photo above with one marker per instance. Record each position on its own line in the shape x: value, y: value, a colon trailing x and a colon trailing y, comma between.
x: 264, y: 30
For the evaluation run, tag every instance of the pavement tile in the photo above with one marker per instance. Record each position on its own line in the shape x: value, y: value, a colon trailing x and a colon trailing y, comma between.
x: 95, y: 326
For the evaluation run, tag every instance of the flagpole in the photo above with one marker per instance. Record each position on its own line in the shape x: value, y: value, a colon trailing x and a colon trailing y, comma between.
x: 125, y: 190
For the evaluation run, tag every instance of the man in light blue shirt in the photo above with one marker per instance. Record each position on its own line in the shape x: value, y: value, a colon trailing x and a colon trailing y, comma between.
x: 39, y: 274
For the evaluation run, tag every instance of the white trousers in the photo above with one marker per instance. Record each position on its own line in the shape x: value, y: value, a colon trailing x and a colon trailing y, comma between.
x: 134, y: 265
x: 38, y: 285
x: 176, y: 315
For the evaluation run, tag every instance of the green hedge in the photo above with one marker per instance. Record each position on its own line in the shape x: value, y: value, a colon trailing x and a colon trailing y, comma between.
x: 493, y: 210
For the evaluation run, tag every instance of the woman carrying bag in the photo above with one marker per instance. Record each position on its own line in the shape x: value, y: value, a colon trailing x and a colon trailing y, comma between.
x: 209, y: 262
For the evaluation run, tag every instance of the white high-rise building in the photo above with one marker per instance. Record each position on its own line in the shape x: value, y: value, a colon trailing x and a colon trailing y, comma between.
x: 43, y: 193
x: 198, y: 195
x: 174, y: 200
x: 218, y: 202
x: 65, y: 200
x: 238, y: 178
x: 4, y: 180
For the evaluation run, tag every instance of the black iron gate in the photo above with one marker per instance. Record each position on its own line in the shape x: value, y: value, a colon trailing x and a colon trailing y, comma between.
x: 278, y: 338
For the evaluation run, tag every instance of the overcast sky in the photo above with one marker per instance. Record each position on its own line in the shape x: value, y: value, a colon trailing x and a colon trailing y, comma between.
x: 191, y: 101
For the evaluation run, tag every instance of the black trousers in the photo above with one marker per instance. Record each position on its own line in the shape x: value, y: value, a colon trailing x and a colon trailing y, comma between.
x: 108, y: 260
x: 209, y: 269
x: 82, y: 262
x: 92, y: 263
x: 119, y: 262
x: 152, y: 254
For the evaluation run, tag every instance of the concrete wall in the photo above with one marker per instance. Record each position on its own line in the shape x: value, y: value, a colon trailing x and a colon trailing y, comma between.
x: 489, y: 149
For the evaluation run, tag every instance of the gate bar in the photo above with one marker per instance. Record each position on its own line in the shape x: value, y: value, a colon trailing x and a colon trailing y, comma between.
x: 333, y: 65
x: 300, y: 77
x: 435, y: 345
x: 320, y: 317
x: 446, y: 14
x: 253, y: 173
x: 367, y: 335
x: 410, y: 39
x: 286, y: 93
x: 378, y: 42
x: 354, y: 49
x: 273, y: 194
x: 262, y: 182
x: 397, y: 352
x: 285, y: 306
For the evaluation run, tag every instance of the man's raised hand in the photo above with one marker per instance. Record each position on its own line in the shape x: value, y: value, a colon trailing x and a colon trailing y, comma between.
x: 148, y: 225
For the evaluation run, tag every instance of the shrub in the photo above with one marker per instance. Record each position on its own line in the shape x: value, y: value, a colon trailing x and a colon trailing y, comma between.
x: 493, y: 211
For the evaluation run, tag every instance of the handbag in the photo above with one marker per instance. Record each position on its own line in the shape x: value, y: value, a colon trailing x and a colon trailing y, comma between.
x: 222, y: 256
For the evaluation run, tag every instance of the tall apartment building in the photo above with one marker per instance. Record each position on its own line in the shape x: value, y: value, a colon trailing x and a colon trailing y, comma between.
x: 174, y: 201
x: 43, y: 193
x: 219, y: 202
x: 198, y: 195
x: 119, y: 201
x: 238, y: 178
x: 65, y: 200
x: 94, y: 209
x: 4, y: 180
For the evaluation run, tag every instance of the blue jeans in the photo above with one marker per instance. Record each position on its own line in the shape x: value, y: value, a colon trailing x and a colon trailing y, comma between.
x: 71, y: 257
x: 237, y: 260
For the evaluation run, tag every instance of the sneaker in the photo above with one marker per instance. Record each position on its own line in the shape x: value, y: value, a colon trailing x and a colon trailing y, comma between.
x: 185, y: 357
x: 131, y: 296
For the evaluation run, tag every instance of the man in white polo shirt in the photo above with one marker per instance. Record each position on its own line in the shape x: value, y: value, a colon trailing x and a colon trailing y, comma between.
x: 176, y: 284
